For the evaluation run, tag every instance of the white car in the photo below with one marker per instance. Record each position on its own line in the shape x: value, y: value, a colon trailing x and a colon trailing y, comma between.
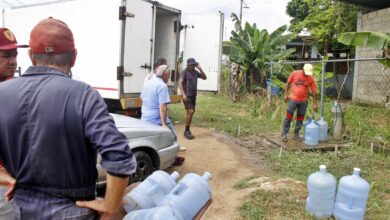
x: 153, y: 147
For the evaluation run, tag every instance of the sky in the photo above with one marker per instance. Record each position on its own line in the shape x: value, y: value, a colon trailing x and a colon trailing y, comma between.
x: 267, y: 14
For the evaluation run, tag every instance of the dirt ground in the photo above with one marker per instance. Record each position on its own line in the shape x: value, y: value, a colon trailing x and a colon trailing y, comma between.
x: 226, y: 161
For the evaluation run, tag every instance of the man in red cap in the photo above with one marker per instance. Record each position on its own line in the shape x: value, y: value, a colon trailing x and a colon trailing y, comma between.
x: 52, y: 129
x: 8, y: 53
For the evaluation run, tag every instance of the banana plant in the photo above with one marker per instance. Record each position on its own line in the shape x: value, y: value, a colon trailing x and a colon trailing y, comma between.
x: 374, y: 40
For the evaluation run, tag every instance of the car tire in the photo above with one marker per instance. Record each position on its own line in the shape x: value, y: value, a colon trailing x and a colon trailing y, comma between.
x: 144, y: 167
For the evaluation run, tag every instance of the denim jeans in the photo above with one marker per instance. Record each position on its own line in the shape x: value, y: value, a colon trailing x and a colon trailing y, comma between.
x: 300, y: 107
x: 34, y: 205
x: 6, y: 208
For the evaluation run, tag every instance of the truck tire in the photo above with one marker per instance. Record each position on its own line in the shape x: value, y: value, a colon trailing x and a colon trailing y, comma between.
x: 144, y: 167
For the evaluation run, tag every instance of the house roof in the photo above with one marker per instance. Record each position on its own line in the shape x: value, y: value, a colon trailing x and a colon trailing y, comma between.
x: 375, y: 4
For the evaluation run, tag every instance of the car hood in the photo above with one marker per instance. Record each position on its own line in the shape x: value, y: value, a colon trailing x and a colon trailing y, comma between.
x: 134, y: 128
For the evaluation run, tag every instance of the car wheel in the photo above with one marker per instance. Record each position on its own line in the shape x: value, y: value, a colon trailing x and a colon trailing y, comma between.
x: 144, y: 167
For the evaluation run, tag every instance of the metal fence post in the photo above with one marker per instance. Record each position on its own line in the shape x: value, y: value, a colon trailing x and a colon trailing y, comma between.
x: 322, y: 88
x: 269, y: 87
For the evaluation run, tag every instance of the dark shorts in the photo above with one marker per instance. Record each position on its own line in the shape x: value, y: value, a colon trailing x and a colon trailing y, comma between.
x: 190, y: 103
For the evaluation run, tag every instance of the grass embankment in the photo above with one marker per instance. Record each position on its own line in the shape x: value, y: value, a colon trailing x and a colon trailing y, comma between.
x: 254, y: 116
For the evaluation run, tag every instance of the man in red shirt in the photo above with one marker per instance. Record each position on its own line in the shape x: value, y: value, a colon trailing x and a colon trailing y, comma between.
x: 296, y: 94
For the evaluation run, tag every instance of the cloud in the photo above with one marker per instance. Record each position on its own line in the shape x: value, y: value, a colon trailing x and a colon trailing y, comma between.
x: 267, y: 14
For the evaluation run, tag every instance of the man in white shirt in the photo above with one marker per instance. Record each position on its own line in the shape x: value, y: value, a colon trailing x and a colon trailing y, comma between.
x: 157, y: 63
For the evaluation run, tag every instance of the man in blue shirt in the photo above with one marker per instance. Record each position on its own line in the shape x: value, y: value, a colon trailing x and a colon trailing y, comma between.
x: 155, y: 99
x: 52, y: 128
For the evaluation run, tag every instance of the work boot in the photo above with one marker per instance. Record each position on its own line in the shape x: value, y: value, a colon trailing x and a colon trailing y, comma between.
x: 188, y: 135
x: 284, y: 138
x: 298, y: 137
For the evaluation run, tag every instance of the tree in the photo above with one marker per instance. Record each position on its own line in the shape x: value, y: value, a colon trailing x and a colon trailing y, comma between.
x: 374, y: 40
x: 253, y: 49
x: 325, y: 19
x: 298, y: 10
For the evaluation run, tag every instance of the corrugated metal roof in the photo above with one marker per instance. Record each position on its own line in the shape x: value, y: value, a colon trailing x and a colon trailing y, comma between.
x: 374, y: 4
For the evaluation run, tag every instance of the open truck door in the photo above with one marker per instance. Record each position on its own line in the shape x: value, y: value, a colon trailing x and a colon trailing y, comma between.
x: 202, y: 35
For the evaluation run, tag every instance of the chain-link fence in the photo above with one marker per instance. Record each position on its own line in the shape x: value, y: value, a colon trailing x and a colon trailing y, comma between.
x: 365, y: 81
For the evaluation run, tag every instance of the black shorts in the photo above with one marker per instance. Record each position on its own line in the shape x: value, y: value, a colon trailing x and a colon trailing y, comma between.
x: 190, y: 103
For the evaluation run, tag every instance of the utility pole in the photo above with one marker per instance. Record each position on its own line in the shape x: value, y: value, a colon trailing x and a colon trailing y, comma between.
x: 241, y: 1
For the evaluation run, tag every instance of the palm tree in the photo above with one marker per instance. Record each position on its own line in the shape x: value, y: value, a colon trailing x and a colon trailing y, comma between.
x: 253, y: 49
x: 369, y: 39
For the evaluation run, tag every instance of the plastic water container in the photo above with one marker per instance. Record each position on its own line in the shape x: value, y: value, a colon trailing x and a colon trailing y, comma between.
x: 151, y: 191
x: 156, y: 213
x: 312, y: 134
x: 352, y: 196
x: 323, y: 129
x: 189, y: 195
x: 304, y: 124
x: 321, y: 188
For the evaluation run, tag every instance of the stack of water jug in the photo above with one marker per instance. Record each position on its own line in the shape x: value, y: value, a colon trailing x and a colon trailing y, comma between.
x: 158, y: 197
x: 315, y: 131
x: 351, y: 198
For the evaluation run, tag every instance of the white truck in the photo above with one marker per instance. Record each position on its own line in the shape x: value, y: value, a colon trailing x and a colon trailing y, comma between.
x: 118, y: 42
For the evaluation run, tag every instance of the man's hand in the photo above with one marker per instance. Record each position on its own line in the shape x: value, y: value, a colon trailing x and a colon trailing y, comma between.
x: 99, y: 205
x: 286, y: 98
x: 315, y: 107
x: 184, y: 97
x: 109, y: 207
x: 8, y: 181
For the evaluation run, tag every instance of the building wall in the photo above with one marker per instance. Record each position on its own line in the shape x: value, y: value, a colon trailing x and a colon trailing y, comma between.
x: 372, y: 80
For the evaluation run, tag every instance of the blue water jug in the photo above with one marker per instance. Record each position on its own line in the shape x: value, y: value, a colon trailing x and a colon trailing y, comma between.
x: 321, y: 187
x: 351, y: 198
x: 312, y: 134
x: 156, y: 213
x: 189, y: 195
x: 323, y: 129
x: 304, y: 124
x: 150, y: 191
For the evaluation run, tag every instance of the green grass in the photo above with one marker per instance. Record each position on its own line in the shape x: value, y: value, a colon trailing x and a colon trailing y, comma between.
x: 254, y: 116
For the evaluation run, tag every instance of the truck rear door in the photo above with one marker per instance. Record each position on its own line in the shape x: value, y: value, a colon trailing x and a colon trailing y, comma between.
x: 138, y: 45
x: 203, y: 36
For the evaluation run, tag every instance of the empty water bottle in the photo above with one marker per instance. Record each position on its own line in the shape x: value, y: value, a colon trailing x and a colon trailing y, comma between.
x: 323, y: 129
x: 150, y: 191
x: 321, y: 187
x: 351, y: 199
x: 156, y: 213
x: 189, y: 195
x: 312, y: 134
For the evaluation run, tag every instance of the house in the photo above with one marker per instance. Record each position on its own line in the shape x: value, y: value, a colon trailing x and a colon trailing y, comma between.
x: 371, y: 83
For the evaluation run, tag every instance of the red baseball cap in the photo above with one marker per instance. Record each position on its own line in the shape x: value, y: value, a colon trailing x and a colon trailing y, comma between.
x: 8, y: 40
x: 51, y: 36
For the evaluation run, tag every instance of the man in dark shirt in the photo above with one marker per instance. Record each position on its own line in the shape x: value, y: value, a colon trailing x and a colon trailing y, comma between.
x: 52, y: 128
x: 188, y: 84
x: 8, y: 53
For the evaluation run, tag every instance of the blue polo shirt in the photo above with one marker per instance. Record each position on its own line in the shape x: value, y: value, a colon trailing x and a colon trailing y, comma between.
x: 153, y: 94
x: 51, y: 129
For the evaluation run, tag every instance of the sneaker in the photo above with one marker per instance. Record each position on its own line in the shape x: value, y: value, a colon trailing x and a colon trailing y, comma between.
x: 297, y: 137
x: 188, y: 135
x: 182, y: 148
x: 284, y: 138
